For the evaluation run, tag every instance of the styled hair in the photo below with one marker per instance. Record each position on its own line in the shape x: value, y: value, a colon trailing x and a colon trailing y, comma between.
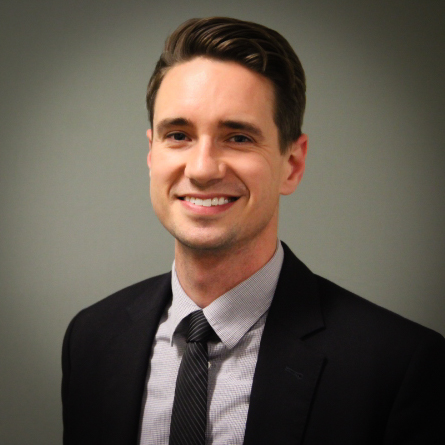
x: 253, y: 46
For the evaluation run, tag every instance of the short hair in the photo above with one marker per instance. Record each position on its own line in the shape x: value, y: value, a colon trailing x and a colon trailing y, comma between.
x: 253, y: 46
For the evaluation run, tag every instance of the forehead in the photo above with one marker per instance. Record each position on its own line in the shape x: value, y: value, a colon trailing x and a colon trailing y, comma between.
x: 214, y: 89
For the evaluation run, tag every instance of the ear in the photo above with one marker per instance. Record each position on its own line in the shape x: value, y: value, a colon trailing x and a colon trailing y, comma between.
x: 150, y: 141
x: 295, y: 162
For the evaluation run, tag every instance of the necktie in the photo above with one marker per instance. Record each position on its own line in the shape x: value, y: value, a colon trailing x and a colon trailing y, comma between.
x: 189, y: 415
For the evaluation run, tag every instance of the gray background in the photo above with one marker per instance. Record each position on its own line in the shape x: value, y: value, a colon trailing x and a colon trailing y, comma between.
x: 76, y: 221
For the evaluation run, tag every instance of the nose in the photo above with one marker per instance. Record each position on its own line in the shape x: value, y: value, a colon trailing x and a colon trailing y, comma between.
x: 204, y: 163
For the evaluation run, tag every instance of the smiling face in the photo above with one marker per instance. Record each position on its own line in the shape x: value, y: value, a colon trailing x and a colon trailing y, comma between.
x: 215, y: 165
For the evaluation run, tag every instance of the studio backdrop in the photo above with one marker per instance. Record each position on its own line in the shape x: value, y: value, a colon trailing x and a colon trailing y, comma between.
x: 76, y: 218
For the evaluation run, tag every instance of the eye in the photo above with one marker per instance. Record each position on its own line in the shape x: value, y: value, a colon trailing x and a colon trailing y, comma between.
x: 177, y: 136
x: 239, y: 138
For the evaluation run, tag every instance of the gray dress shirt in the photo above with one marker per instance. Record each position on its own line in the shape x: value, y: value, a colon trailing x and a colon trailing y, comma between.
x: 238, y: 318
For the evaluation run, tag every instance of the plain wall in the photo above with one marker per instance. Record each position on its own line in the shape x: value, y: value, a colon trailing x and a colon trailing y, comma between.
x: 76, y: 219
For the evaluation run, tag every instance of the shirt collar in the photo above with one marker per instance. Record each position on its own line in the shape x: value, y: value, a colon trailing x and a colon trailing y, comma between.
x: 235, y: 312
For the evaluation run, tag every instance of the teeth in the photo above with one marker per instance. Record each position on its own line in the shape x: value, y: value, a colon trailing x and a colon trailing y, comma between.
x: 207, y: 202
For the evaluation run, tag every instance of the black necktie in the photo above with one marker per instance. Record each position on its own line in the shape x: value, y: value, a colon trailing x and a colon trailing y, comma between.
x: 189, y: 415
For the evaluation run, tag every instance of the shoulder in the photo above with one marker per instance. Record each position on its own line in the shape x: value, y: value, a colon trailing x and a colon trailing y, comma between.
x: 359, y: 320
x: 107, y: 314
x: 130, y: 294
x: 364, y: 336
x: 350, y: 320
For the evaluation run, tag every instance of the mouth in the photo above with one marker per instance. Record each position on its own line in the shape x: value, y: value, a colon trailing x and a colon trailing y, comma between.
x: 208, y: 202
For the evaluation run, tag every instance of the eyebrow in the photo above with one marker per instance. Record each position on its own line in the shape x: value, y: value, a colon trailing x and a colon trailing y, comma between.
x: 172, y: 122
x: 243, y: 126
x: 167, y: 123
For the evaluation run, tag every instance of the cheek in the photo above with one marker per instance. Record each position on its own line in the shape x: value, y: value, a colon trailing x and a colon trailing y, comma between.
x: 163, y: 168
x: 260, y: 177
x: 157, y: 175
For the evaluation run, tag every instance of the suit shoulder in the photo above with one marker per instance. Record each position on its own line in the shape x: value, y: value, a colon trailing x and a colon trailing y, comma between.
x: 126, y: 295
x: 111, y: 308
x: 357, y: 315
x: 349, y: 317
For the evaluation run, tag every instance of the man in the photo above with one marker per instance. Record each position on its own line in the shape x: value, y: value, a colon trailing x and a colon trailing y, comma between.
x: 289, y: 357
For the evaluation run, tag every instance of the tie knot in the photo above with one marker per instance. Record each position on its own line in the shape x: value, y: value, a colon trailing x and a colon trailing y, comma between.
x: 199, y: 328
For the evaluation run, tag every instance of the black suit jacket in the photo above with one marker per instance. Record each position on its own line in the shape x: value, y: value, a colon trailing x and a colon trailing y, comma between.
x: 333, y: 369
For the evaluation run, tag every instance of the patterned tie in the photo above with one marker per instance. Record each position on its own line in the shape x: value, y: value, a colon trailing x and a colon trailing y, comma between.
x: 189, y: 415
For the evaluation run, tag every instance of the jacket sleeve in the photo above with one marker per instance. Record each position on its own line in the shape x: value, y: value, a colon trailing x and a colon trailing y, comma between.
x: 418, y: 413
x: 66, y: 373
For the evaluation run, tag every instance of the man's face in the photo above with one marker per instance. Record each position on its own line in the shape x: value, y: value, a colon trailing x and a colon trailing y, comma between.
x: 215, y: 165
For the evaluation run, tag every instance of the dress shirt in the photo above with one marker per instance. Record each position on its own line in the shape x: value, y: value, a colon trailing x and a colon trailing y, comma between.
x: 238, y: 318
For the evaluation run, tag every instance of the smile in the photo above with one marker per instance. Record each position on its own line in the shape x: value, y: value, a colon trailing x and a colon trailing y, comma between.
x: 209, y: 202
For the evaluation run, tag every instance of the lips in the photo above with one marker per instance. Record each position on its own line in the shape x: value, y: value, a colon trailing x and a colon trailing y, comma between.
x: 208, y: 202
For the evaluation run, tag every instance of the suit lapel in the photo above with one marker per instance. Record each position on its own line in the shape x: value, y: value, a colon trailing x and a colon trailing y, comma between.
x: 127, y: 362
x: 287, y: 371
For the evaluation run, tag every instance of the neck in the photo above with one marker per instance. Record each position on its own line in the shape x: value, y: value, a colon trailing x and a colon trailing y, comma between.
x: 205, y: 275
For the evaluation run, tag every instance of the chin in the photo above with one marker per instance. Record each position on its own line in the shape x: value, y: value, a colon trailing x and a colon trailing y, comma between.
x: 206, y: 242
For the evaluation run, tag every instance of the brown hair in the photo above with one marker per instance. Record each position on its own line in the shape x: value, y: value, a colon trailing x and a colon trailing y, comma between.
x: 253, y: 46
